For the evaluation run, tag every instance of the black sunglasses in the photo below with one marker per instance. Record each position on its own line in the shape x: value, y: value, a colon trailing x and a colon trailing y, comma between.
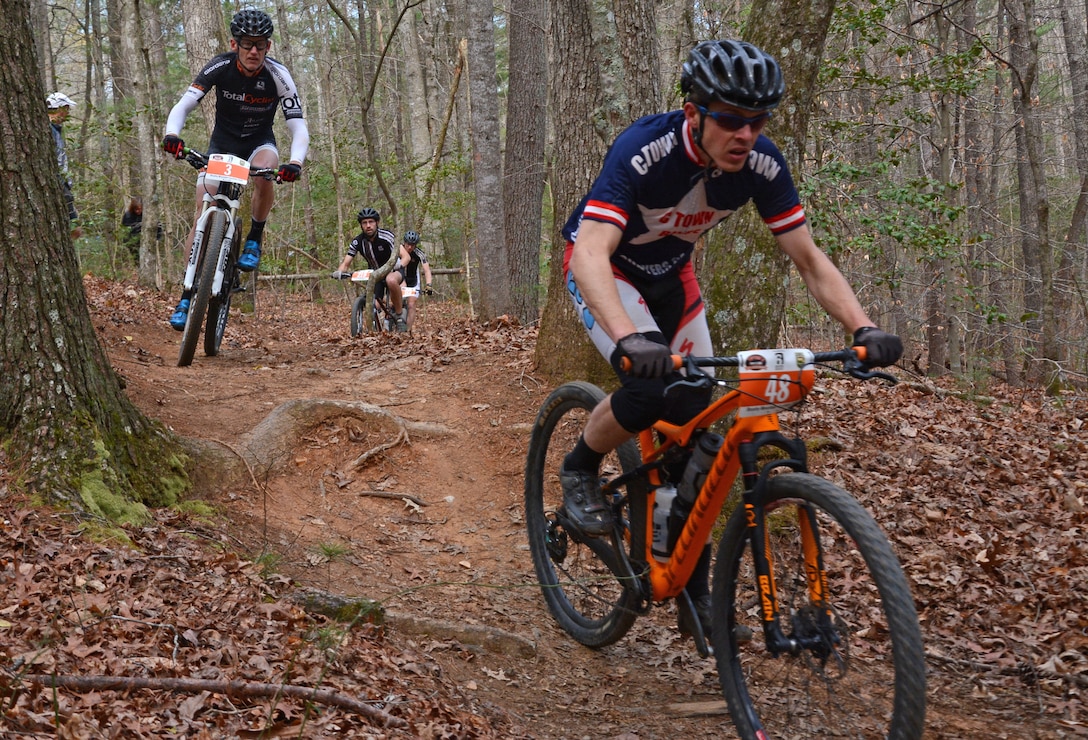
x: 246, y: 45
x: 733, y: 122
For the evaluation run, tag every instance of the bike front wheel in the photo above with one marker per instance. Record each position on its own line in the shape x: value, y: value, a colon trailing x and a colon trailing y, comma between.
x: 219, y: 308
x: 861, y: 673
x: 581, y: 577
x: 358, y: 317
x: 214, y: 231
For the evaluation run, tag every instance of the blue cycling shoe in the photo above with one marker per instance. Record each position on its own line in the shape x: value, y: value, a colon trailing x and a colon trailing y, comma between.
x: 251, y: 256
x: 180, y: 315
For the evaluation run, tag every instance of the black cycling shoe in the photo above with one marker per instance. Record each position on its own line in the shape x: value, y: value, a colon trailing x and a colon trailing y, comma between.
x: 585, y: 502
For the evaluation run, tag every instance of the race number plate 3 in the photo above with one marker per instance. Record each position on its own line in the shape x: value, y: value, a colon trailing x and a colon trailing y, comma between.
x: 227, y: 168
x: 360, y: 276
x: 772, y: 380
x: 410, y: 292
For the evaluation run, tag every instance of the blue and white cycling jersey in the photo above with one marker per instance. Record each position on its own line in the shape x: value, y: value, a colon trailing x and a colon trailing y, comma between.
x: 655, y: 188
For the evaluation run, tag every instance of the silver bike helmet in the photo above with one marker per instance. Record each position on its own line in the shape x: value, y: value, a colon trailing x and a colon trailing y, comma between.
x: 732, y: 72
x: 411, y: 237
x: 250, y: 22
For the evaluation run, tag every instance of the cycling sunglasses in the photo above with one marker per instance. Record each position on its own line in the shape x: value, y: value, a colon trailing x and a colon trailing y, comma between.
x: 248, y: 44
x: 733, y: 122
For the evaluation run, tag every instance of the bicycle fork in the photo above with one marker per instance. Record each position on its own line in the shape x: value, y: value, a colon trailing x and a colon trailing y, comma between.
x: 801, y: 638
x: 211, y: 204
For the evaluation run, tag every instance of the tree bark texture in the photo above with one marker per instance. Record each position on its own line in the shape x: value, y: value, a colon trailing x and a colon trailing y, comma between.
x: 745, y: 273
x: 67, y: 427
x: 563, y: 351
x: 526, y: 129
x: 487, y: 162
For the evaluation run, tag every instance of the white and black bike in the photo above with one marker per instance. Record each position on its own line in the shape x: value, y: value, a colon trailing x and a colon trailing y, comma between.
x: 212, y: 272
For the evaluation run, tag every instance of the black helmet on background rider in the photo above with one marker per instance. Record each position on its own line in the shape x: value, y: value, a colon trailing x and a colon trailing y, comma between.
x: 250, y: 22
x: 732, y: 72
x: 369, y: 213
x: 411, y: 237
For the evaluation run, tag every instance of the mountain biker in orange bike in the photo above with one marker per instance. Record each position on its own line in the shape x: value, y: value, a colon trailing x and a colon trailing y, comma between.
x: 666, y: 180
x: 250, y: 86
x: 412, y: 260
x: 376, y: 245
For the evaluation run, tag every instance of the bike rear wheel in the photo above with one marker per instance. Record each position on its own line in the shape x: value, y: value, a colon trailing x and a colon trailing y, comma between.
x: 581, y: 577
x: 214, y: 231
x: 865, y: 678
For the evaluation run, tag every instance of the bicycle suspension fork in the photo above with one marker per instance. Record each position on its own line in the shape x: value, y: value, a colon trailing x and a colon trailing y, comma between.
x: 763, y: 555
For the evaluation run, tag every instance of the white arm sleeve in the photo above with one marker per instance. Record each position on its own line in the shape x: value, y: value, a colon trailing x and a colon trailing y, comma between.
x: 300, y: 138
x: 181, y: 110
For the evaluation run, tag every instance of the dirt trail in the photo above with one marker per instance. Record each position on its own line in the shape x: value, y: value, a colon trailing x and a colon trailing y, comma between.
x: 451, y: 545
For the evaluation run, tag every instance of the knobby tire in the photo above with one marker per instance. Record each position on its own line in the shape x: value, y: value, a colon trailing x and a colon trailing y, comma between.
x: 219, y: 309
x: 358, y: 317
x: 198, y: 303
x: 580, y: 577
x: 868, y: 678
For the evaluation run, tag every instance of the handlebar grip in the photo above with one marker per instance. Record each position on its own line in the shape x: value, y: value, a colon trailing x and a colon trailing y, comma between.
x: 861, y: 351
x: 677, y: 363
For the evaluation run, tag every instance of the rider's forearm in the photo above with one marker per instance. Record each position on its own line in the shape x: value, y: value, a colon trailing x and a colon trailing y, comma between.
x: 823, y: 279
x: 300, y: 139
x: 591, y: 264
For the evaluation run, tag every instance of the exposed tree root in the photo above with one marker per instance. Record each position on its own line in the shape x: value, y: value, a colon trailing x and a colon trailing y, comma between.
x: 229, y: 688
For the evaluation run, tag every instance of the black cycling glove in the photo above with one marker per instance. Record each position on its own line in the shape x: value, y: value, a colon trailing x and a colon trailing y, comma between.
x: 881, y: 349
x: 289, y: 172
x: 173, y: 145
x: 649, y: 359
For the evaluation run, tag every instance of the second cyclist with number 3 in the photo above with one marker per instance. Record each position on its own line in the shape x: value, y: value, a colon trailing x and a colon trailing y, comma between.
x: 629, y: 248
x: 250, y: 86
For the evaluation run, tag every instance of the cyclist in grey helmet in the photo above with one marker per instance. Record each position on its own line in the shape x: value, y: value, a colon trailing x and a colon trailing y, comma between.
x: 250, y: 86
x: 666, y: 180
x: 412, y: 261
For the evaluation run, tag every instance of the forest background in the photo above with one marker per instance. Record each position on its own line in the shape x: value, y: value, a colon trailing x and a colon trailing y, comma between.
x: 941, y: 150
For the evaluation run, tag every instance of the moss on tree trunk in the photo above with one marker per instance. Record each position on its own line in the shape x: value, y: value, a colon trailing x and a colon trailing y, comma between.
x: 67, y: 430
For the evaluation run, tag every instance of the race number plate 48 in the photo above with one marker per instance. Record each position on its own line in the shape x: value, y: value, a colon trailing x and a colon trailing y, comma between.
x: 228, y: 168
x: 772, y: 380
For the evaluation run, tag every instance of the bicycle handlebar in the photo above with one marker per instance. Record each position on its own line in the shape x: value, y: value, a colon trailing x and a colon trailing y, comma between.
x: 852, y: 359
x: 199, y: 161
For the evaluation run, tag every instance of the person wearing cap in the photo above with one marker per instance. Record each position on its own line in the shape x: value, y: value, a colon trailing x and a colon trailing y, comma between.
x: 250, y: 86
x: 411, y: 262
x: 60, y: 105
x: 668, y: 179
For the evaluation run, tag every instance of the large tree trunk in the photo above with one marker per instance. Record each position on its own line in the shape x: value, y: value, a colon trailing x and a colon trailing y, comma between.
x: 744, y: 269
x: 523, y: 183
x: 487, y: 161
x: 563, y: 352
x: 1034, y: 199
x: 636, y: 36
x: 65, y: 423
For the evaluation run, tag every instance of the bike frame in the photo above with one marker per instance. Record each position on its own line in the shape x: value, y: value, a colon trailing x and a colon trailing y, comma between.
x: 230, y: 175
x: 756, y: 425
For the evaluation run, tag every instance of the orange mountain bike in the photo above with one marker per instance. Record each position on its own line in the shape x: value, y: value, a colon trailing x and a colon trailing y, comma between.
x: 814, y: 629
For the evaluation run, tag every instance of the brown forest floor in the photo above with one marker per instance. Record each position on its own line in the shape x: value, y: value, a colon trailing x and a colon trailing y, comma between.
x: 983, y: 499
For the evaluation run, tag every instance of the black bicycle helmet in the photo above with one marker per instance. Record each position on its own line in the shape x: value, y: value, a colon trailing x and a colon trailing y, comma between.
x: 368, y: 213
x: 411, y: 237
x: 732, y: 72
x: 250, y: 22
